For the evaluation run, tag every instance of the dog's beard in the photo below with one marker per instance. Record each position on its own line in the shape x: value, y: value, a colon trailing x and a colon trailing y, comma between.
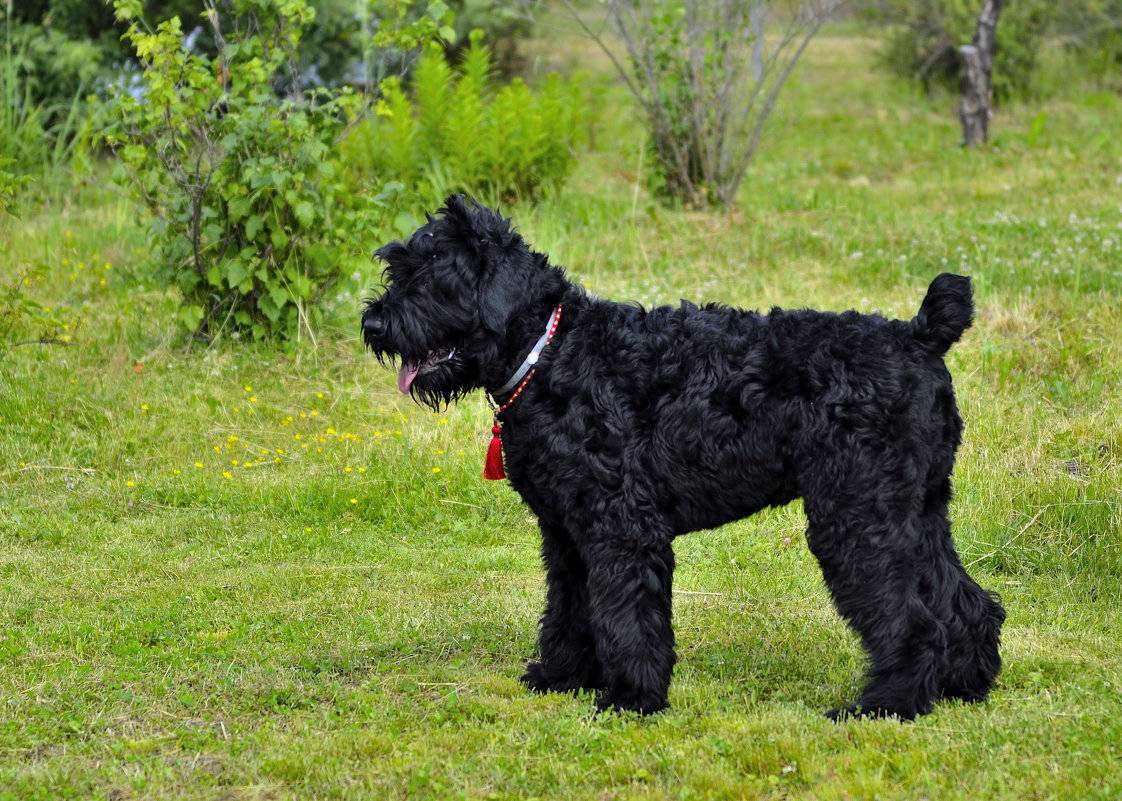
x: 436, y: 382
x: 436, y: 377
x: 411, y: 369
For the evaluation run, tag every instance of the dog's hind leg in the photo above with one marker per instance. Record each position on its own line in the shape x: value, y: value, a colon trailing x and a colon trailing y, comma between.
x: 973, y: 619
x: 875, y: 574
x: 567, y: 654
x: 630, y: 571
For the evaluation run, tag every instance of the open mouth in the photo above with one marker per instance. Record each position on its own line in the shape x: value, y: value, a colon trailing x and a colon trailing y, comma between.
x: 410, y: 370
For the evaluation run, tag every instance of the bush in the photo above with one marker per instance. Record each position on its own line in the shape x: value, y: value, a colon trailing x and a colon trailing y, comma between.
x: 708, y: 78
x: 68, y: 47
x: 74, y: 45
x: 22, y: 318
x: 924, y: 37
x: 10, y: 185
x: 35, y: 139
x: 252, y: 212
x: 456, y: 131
x: 1092, y: 31
x: 502, y: 22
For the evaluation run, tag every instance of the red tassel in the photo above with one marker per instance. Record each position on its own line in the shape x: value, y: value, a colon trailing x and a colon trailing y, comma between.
x: 493, y: 466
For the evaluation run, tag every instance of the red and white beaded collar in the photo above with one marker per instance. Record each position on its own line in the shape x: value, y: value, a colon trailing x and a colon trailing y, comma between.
x: 493, y: 466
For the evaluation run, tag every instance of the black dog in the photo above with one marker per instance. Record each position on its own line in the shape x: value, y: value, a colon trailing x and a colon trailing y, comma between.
x: 637, y: 426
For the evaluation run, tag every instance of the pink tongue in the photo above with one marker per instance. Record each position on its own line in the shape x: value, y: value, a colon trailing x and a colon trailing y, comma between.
x: 406, y: 375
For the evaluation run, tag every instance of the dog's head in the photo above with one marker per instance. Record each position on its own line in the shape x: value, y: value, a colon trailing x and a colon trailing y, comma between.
x: 452, y: 289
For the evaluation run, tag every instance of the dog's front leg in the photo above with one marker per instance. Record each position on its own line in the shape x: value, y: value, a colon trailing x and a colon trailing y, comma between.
x: 629, y: 589
x: 567, y: 655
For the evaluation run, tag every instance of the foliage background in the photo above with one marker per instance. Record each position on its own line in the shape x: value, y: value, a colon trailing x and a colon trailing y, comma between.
x: 922, y: 37
x: 246, y: 570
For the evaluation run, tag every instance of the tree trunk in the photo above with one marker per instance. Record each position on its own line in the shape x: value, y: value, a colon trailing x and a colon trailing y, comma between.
x: 976, y: 108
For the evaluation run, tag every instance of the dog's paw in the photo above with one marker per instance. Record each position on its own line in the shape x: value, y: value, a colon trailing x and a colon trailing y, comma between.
x: 856, y: 711
x: 539, y: 679
x: 642, y: 704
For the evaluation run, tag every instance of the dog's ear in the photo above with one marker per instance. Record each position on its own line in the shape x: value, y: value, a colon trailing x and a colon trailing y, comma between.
x: 479, y: 226
x: 463, y: 213
x: 500, y: 291
x: 487, y: 234
x: 391, y: 251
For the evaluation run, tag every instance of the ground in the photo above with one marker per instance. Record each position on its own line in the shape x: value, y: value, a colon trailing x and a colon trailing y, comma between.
x: 249, y: 572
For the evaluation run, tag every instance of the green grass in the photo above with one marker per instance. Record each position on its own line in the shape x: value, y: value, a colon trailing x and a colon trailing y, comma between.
x: 298, y: 630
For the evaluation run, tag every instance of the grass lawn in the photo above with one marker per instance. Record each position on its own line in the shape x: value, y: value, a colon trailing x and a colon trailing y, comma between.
x: 258, y: 573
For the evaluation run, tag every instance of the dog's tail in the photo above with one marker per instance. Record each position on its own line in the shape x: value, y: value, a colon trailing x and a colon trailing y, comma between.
x: 945, y: 313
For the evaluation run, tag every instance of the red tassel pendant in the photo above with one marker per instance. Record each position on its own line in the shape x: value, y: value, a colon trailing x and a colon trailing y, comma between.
x: 493, y: 466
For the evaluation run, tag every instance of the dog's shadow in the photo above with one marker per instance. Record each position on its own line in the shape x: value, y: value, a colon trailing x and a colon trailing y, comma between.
x: 791, y: 654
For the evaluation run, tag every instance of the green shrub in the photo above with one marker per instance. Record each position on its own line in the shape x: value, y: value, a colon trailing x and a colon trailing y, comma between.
x: 923, y: 37
x: 455, y: 130
x: 36, y: 140
x: 55, y: 68
x: 1091, y: 30
x: 10, y: 185
x: 707, y: 79
x: 503, y: 23
x: 22, y: 142
x: 252, y: 212
x: 22, y: 318
x: 72, y: 41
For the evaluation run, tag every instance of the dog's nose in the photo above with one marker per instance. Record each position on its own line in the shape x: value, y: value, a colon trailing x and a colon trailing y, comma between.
x: 373, y: 326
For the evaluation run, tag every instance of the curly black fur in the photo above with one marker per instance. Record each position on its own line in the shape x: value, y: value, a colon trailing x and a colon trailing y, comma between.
x: 644, y: 425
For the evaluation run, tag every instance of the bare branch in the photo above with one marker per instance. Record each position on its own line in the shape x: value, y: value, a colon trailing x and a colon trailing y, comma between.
x: 707, y: 75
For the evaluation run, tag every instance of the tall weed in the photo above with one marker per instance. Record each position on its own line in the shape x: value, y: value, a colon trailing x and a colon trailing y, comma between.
x: 35, y: 140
